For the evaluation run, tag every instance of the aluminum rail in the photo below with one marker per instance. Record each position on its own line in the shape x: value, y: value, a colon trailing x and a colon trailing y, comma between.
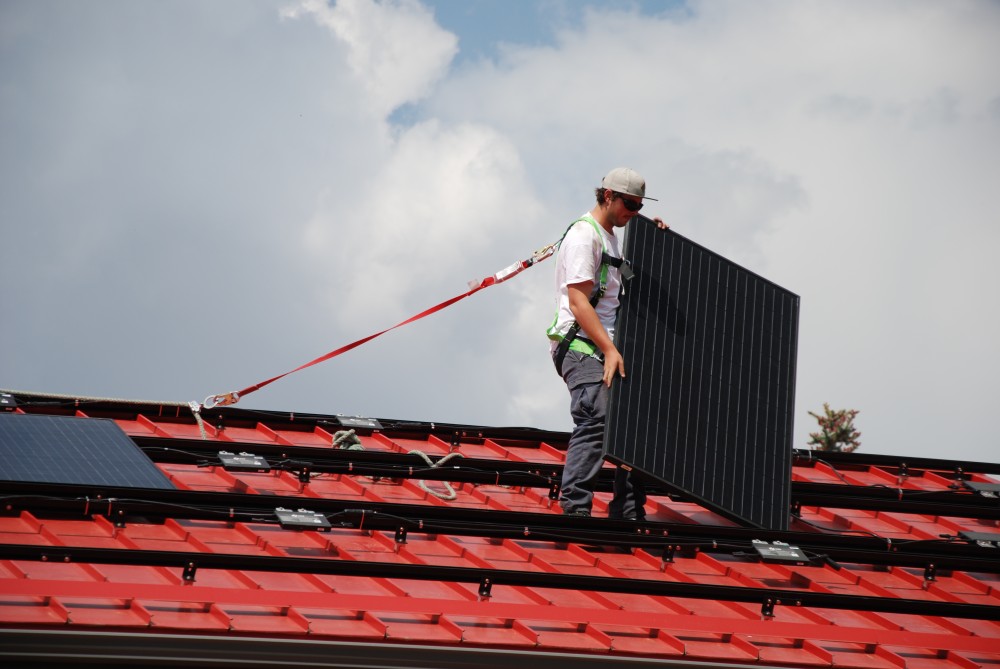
x: 489, y: 578
x: 124, y: 505
x: 958, y: 503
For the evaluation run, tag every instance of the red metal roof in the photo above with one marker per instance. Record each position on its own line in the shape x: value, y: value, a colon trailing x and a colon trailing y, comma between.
x: 407, y: 577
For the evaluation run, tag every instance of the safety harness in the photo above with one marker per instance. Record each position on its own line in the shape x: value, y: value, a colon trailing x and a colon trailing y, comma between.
x: 572, y: 341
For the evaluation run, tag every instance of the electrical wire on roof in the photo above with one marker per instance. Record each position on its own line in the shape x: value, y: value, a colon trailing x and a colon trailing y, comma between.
x: 834, y: 530
x: 234, y: 396
x: 375, y: 471
x: 201, y: 459
x: 833, y: 469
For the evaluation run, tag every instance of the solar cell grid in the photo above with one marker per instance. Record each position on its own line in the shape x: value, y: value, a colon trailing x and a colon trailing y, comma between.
x: 710, y: 352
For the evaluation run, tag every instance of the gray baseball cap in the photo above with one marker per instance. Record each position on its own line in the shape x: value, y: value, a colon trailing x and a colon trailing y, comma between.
x: 628, y: 181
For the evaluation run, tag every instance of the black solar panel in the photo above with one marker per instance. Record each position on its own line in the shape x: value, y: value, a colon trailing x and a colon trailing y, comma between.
x: 707, y: 403
x: 64, y: 449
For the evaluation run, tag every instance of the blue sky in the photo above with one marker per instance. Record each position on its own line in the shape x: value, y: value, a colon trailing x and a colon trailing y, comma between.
x: 484, y: 26
x: 196, y: 196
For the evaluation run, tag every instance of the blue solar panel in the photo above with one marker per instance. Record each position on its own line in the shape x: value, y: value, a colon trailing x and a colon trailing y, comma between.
x: 65, y: 449
x: 710, y: 353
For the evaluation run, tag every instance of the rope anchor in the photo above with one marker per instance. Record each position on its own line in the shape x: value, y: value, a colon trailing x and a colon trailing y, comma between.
x: 222, y: 400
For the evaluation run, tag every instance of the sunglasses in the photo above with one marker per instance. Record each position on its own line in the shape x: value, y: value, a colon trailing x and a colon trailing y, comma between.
x: 631, y: 205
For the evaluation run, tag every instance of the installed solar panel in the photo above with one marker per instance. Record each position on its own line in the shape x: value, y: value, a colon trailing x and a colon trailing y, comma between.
x: 65, y: 449
x: 707, y: 404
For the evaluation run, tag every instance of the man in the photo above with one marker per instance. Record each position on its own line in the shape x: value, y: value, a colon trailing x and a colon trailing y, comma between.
x: 588, y: 281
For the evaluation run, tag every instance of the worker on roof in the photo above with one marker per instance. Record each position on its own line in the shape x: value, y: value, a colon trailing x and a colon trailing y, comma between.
x: 589, y: 272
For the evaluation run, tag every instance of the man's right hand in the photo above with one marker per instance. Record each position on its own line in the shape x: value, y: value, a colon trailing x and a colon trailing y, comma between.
x: 613, y: 364
x: 590, y: 323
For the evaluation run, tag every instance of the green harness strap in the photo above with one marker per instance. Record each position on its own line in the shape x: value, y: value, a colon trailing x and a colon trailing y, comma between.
x: 570, y: 341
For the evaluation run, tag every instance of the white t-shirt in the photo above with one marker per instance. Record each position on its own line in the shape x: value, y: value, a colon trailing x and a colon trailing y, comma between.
x: 579, y: 259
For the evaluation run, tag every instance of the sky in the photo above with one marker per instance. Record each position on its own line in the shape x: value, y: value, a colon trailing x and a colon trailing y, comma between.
x: 197, y: 196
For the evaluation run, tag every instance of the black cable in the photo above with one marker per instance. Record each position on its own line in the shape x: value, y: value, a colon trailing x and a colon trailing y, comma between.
x: 202, y: 460
x: 834, y: 530
x: 835, y: 471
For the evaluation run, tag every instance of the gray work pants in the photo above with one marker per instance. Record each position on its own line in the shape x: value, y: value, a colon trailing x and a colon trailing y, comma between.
x: 583, y: 375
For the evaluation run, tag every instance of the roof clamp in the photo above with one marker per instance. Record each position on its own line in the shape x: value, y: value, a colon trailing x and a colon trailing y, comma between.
x: 797, y: 508
x: 902, y: 474
x: 668, y: 555
x: 959, y: 479
x: 400, y: 536
x: 767, y: 609
x: 554, y: 490
x: 117, y: 521
x: 190, y: 569
x: 7, y: 402
x: 304, y: 476
x: 930, y: 575
x: 456, y: 442
x: 485, y: 588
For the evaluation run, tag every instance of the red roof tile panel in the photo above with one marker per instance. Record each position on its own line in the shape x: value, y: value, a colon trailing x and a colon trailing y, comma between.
x: 511, y: 574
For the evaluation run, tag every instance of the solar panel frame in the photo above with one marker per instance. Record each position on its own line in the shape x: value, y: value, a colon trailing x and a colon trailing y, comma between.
x: 708, y: 401
x: 70, y: 450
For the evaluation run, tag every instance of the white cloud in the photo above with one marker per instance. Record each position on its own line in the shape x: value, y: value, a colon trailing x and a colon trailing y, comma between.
x: 395, y: 48
x: 427, y: 221
x: 845, y: 151
x: 223, y: 212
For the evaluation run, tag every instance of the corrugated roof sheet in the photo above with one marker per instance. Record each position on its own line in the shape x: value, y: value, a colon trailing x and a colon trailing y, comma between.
x: 408, y: 576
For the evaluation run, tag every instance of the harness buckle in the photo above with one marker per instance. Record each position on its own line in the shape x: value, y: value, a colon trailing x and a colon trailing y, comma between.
x: 626, y: 271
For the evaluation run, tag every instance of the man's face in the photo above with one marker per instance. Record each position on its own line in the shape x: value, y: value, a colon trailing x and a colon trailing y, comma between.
x: 620, y: 213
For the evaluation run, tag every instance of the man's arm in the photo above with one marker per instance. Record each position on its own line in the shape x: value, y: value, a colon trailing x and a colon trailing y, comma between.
x: 590, y: 323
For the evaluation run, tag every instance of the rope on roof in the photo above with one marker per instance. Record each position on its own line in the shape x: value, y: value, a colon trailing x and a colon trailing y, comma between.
x: 195, y: 407
x: 449, y: 493
x: 348, y: 440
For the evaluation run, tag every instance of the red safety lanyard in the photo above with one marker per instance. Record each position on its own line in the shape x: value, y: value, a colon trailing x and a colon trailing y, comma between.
x: 541, y: 254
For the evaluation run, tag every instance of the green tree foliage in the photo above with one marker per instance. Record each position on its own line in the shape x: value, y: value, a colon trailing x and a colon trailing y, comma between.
x: 836, y: 430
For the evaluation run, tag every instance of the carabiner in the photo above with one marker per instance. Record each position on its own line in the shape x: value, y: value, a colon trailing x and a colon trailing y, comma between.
x: 226, y: 399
